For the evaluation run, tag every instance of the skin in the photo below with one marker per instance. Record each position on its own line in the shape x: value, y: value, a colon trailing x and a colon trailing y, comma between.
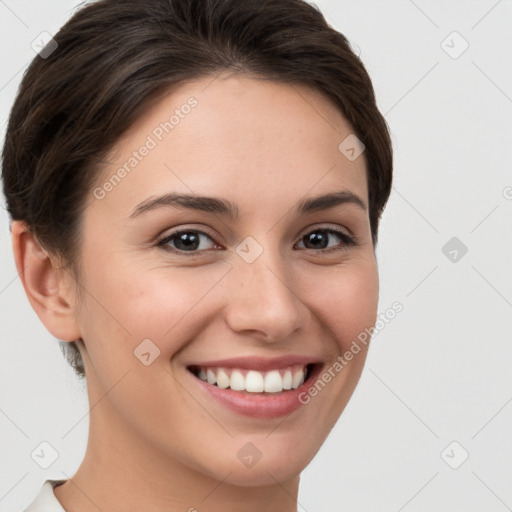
x: 156, y: 442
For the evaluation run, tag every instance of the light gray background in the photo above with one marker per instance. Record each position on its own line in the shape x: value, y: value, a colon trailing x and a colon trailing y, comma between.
x: 440, y: 371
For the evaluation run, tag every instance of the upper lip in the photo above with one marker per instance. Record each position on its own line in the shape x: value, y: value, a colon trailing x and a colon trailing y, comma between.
x: 257, y: 362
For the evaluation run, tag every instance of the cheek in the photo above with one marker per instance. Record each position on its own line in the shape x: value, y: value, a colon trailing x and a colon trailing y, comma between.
x: 346, y: 305
x: 129, y: 302
x: 346, y: 300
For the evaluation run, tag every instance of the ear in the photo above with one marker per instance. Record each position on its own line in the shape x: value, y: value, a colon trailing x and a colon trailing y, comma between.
x: 49, y: 289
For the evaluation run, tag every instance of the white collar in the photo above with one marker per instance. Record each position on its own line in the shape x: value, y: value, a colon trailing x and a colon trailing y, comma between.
x: 46, y: 501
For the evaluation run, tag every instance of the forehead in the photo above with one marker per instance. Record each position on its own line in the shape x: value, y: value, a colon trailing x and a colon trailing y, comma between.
x: 248, y: 139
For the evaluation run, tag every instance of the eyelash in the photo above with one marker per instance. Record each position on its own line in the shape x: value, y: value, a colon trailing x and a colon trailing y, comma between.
x: 347, y: 241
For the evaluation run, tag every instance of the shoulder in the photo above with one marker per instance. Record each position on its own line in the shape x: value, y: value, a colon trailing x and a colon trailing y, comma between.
x: 45, y: 501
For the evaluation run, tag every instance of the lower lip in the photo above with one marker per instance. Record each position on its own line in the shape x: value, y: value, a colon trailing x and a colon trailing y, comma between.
x: 260, y: 405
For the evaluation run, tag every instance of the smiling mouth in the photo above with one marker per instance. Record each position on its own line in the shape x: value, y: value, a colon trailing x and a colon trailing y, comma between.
x: 253, y: 381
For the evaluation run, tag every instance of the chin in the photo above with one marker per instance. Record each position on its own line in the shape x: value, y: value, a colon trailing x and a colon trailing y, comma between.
x: 242, y: 463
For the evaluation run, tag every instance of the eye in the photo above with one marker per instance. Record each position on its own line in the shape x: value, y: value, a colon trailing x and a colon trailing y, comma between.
x: 187, y: 240
x: 318, y: 239
x: 190, y: 240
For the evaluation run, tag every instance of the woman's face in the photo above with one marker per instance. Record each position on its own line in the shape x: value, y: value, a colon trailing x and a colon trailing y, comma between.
x: 261, y: 289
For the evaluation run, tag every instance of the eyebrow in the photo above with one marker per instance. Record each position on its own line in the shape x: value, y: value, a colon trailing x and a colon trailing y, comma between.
x: 230, y: 209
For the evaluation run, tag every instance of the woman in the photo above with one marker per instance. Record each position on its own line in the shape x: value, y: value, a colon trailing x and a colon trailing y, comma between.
x: 195, y: 190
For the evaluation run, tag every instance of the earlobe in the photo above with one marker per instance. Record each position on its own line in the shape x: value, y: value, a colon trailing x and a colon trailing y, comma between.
x: 49, y: 289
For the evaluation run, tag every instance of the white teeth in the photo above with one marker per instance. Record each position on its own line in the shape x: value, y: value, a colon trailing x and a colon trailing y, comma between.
x: 253, y: 381
x: 237, y: 382
x: 210, y: 376
x: 287, y: 379
x: 222, y: 379
x: 273, y: 382
x: 297, y: 379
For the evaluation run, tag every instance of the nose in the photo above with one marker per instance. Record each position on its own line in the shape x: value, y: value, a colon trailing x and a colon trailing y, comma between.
x: 262, y: 300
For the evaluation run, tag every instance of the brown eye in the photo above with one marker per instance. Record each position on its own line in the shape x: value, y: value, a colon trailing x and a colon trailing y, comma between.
x: 319, y: 239
x: 184, y: 241
x: 191, y: 241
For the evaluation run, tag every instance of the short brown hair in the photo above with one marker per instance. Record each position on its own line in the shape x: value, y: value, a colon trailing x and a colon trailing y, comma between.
x: 115, y: 57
